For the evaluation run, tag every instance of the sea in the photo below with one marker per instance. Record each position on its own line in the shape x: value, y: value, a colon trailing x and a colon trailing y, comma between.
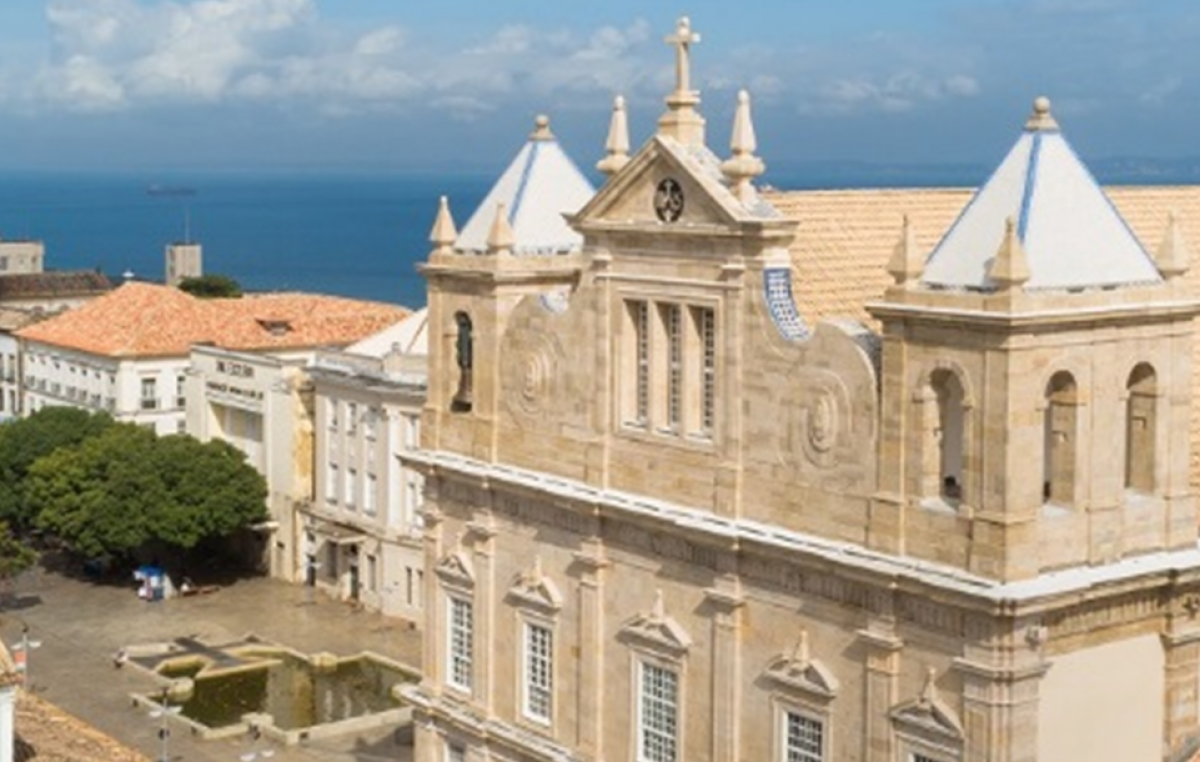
x: 360, y: 236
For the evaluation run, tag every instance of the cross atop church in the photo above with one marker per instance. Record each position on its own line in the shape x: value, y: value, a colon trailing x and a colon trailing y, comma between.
x: 681, y: 121
x: 681, y: 40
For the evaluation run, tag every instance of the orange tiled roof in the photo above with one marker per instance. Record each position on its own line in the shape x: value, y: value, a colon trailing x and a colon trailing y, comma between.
x: 149, y: 320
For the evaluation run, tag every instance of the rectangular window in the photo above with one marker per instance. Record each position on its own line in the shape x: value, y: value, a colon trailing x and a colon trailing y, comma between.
x: 671, y: 328
x: 657, y: 714
x: 181, y: 391
x: 640, y: 312
x: 706, y: 328
x: 803, y: 738
x: 331, y: 483
x: 369, y: 496
x: 149, y: 394
x: 539, y: 675
x: 351, y: 483
x: 458, y: 670
x: 455, y: 753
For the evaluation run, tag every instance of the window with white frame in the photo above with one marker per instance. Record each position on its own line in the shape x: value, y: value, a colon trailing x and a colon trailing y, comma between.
x: 803, y: 738
x: 539, y: 672
x: 369, y: 495
x: 460, y: 633
x: 658, y: 713
x: 350, y: 485
x: 149, y: 394
x: 331, y: 483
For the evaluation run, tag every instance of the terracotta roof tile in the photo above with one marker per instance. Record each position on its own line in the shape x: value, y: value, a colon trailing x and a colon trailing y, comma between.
x: 148, y: 320
x: 53, y: 283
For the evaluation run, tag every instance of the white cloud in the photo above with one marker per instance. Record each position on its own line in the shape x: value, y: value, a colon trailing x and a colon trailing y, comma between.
x: 902, y: 91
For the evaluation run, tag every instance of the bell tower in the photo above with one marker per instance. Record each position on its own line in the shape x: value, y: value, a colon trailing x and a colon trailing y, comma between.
x: 1036, y: 379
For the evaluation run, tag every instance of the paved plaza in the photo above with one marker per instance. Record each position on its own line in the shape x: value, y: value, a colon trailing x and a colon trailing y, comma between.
x: 81, y: 625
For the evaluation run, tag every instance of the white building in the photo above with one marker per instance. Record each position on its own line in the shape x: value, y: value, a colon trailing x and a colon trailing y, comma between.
x: 362, y: 530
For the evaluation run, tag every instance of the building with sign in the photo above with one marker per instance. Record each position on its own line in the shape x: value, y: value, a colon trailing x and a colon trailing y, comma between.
x: 932, y: 502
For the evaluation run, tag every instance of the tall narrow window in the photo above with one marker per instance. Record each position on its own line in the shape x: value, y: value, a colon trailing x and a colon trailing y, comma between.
x: 351, y: 485
x: 539, y: 680
x: 671, y: 328
x: 658, y: 714
x: 706, y: 329
x: 1059, y: 435
x: 464, y: 350
x: 369, y: 495
x: 331, y: 483
x: 948, y: 392
x: 640, y: 312
x: 803, y: 738
x: 460, y: 633
x: 1140, y: 429
x: 149, y: 394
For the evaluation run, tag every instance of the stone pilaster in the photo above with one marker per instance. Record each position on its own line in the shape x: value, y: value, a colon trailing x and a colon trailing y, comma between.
x: 1000, y: 687
x: 1181, y: 650
x: 880, y: 692
x: 589, y: 566
x: 725, y: 603
x: 433, y: 654
x: 484, y: 549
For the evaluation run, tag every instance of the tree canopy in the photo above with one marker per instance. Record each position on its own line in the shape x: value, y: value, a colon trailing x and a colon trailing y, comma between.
x: 24, y: 441
x: 15, y: 556
x: 212, y: 286
x: 115, y: 492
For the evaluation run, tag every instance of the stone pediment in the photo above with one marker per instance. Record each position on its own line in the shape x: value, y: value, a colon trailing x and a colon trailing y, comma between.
x: 670, y: 186
x: 455, y: 567
x: 657, y: 630
x: 928, y: 714
x: 535, y: 590
x: 799, y: 672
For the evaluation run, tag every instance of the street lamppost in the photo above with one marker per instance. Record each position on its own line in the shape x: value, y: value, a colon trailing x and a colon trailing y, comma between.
x: 164, y: 712
x: 24, y: 648
x: 256, y: 754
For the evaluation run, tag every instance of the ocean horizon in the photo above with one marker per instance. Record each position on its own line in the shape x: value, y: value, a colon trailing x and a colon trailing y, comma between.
x: 359, y: 236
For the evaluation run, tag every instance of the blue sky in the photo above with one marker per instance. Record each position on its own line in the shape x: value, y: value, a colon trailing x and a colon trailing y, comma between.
x: 391, y: 85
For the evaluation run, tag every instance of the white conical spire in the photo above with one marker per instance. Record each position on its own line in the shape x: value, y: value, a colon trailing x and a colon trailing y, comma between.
x: 1010, y: 267
x: 444, y: 234
x: 500, y: 237
x: 1173, y: 256
x: 617, y: 145
x: 1071, y: 235
x: 744, y: 166
x: 907, y: 262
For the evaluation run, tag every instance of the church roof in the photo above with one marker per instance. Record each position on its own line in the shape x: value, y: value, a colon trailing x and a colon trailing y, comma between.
x: 1072, y: 235
x: 538, y: 188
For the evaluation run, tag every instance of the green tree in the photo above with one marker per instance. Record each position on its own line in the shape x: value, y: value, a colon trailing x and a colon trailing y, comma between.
x: 212, y: 286
x: 15, y: 558
x: 24, y: 441
x: 114, y: 493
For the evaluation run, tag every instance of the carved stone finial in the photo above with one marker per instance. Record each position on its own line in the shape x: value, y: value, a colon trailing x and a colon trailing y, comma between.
x: 801, y: 654
x: 617, y: 145
x: 541, y: 128
x: 1173, y: 256
x: 744, y: 166
x: 1041, y: 118
x: 929, y: 693
x: 1010, y: 266
x: 500, y: 237
x: 907, y: 262
x: 444, y: 234
x: 682, y: 41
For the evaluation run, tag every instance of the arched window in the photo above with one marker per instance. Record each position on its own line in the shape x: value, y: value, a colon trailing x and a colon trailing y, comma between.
x: 1140, y: 425
x: 951, y: 443
x: 1059, y: 445
x: 464, y: 350
x: 944, y: 446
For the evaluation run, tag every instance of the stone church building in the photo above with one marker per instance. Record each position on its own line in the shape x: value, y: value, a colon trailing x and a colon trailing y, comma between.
x: 668, y: 518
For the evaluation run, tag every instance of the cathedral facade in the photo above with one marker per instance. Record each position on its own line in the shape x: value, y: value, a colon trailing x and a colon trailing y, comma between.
x: 668, y: 518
